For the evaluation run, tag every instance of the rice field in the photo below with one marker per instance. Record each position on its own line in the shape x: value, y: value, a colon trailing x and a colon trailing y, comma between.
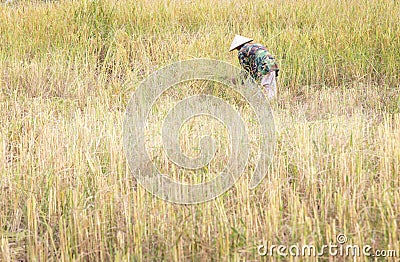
x: 69, y: 68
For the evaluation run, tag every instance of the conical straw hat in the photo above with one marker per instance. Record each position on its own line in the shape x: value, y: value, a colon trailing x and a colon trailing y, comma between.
x: 238, y: 41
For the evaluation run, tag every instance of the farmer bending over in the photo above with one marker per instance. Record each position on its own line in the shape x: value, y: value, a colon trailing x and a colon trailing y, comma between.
x: 255, y: 59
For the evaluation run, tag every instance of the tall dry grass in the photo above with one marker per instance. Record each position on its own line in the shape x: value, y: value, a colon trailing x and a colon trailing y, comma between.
x: 67, y: 70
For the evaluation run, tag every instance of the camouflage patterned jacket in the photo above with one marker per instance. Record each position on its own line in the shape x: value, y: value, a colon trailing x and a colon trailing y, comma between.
x: 255, y: 59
